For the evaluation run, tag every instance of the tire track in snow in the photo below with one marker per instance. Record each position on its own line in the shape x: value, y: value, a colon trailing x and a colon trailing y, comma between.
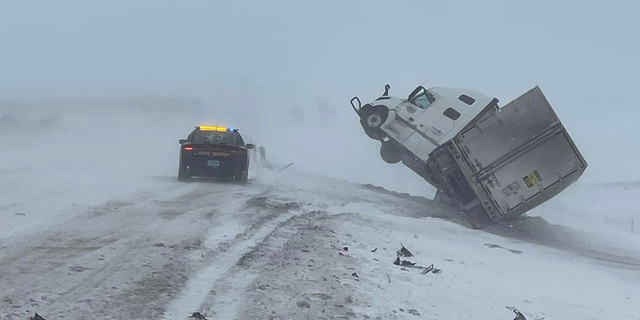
x: 199, y: 287
x: 109, y: 257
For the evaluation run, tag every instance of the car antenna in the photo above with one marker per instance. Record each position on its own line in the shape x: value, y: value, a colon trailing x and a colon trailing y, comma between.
x: 425, y: 82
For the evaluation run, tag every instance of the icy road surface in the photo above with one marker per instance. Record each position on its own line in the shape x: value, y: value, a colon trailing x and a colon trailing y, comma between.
x: 295, y: 246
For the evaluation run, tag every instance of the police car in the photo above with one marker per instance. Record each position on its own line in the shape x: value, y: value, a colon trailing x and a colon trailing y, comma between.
x: 214, y: 152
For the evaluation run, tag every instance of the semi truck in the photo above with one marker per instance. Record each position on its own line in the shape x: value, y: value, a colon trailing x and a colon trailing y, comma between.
x: 491, y: 162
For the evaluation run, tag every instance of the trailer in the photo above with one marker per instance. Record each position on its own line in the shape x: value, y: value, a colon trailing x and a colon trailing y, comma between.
x: 492, y: 162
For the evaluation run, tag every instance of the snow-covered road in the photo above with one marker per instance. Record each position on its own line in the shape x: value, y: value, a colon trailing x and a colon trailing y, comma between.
x: 292, y: 245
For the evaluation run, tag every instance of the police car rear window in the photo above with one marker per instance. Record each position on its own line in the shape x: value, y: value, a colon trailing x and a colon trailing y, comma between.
x: 214, y: 137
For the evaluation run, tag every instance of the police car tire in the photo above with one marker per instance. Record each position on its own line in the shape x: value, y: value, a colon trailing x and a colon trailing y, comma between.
x: 244, y: 177
x: 183, y: 174
x: 390, y: 152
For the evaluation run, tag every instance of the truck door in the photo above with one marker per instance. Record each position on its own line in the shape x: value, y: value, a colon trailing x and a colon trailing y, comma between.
x: 409, y: 112
x: 406, y: 115
x: 438, y: 121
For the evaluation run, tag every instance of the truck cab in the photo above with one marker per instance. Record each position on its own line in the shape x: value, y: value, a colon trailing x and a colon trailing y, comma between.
x: 411, y: 128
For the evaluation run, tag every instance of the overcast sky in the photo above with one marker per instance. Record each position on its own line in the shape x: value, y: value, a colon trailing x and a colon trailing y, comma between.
x: 252, y: 61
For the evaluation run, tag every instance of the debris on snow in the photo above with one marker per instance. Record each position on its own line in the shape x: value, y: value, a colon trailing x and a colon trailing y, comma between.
x: 519, y: 316
x: 287, y: 166
x: 399, y: 262
x: 355, y: 275
x: 374, y: 250
x: 20, y: 214
x: 36, y: 317
x: 407, y: 263
x: 197, y: 315
x: 345, y: 248
x: 431, y: 269
x: 491, y: 245
x: 404, y: 252
x: 413, y: 312
x: 159, y: 245
x: 427, y: 270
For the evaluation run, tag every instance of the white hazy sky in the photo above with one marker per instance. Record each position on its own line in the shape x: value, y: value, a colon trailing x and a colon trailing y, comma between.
x: 253, y: 60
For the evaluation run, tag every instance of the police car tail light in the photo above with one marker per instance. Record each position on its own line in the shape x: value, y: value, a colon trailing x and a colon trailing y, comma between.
x: 188, y: 148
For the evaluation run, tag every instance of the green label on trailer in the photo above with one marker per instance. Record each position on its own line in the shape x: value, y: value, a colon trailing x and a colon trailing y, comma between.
x: 532, y: 179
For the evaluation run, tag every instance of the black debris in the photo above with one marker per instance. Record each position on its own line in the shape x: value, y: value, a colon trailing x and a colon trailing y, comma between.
x: 340, y: 253
x: 355, y: 275
x: 491, y: 245
x: 407, y: 263
x: 159, y: 245
x: 345, y: 248
x: 374, y: 250
x: 427, y: 269
x: 197, y: 315
x: 397, y: 261
x: 404, y: 252
x: 414, y: 312
x: 519, y: 316
x: 20, y: 214
x: 287, y: 166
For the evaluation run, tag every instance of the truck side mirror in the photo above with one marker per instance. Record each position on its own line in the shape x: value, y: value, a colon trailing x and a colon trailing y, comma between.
x: 182, y: 141
x: 416, y: 92
x: 249, y: 146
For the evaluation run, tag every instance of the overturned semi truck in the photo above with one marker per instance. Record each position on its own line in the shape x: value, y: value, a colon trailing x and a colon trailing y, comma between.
x: 492, y: 162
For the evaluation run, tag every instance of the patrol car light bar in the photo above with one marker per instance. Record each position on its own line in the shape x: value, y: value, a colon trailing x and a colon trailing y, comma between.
x: 212, y: 128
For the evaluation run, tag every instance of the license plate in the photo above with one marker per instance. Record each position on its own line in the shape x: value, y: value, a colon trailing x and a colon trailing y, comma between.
x: 213, y: 163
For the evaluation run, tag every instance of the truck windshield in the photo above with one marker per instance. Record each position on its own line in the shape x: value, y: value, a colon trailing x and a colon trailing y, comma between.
x: 424, y: 100
x: 214, y: 137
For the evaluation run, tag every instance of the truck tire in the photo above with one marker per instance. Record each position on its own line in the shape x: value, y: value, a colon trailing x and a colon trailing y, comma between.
x: 391, y: 152
x: 372, y: 119
x: 183, y: 174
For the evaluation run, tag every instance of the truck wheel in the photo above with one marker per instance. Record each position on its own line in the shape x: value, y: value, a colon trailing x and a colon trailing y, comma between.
x: 183, y: 174
x: 372, y: 119
x: 391, y: 152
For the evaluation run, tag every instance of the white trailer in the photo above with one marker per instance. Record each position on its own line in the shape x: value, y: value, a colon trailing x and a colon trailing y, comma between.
x: 491, y: 162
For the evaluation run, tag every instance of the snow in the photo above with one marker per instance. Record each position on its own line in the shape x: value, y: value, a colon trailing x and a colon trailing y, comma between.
x: 109, y: 233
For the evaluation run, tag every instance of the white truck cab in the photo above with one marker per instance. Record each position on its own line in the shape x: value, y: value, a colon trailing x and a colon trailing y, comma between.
x: 490, y: 162
x: 410, y: 129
